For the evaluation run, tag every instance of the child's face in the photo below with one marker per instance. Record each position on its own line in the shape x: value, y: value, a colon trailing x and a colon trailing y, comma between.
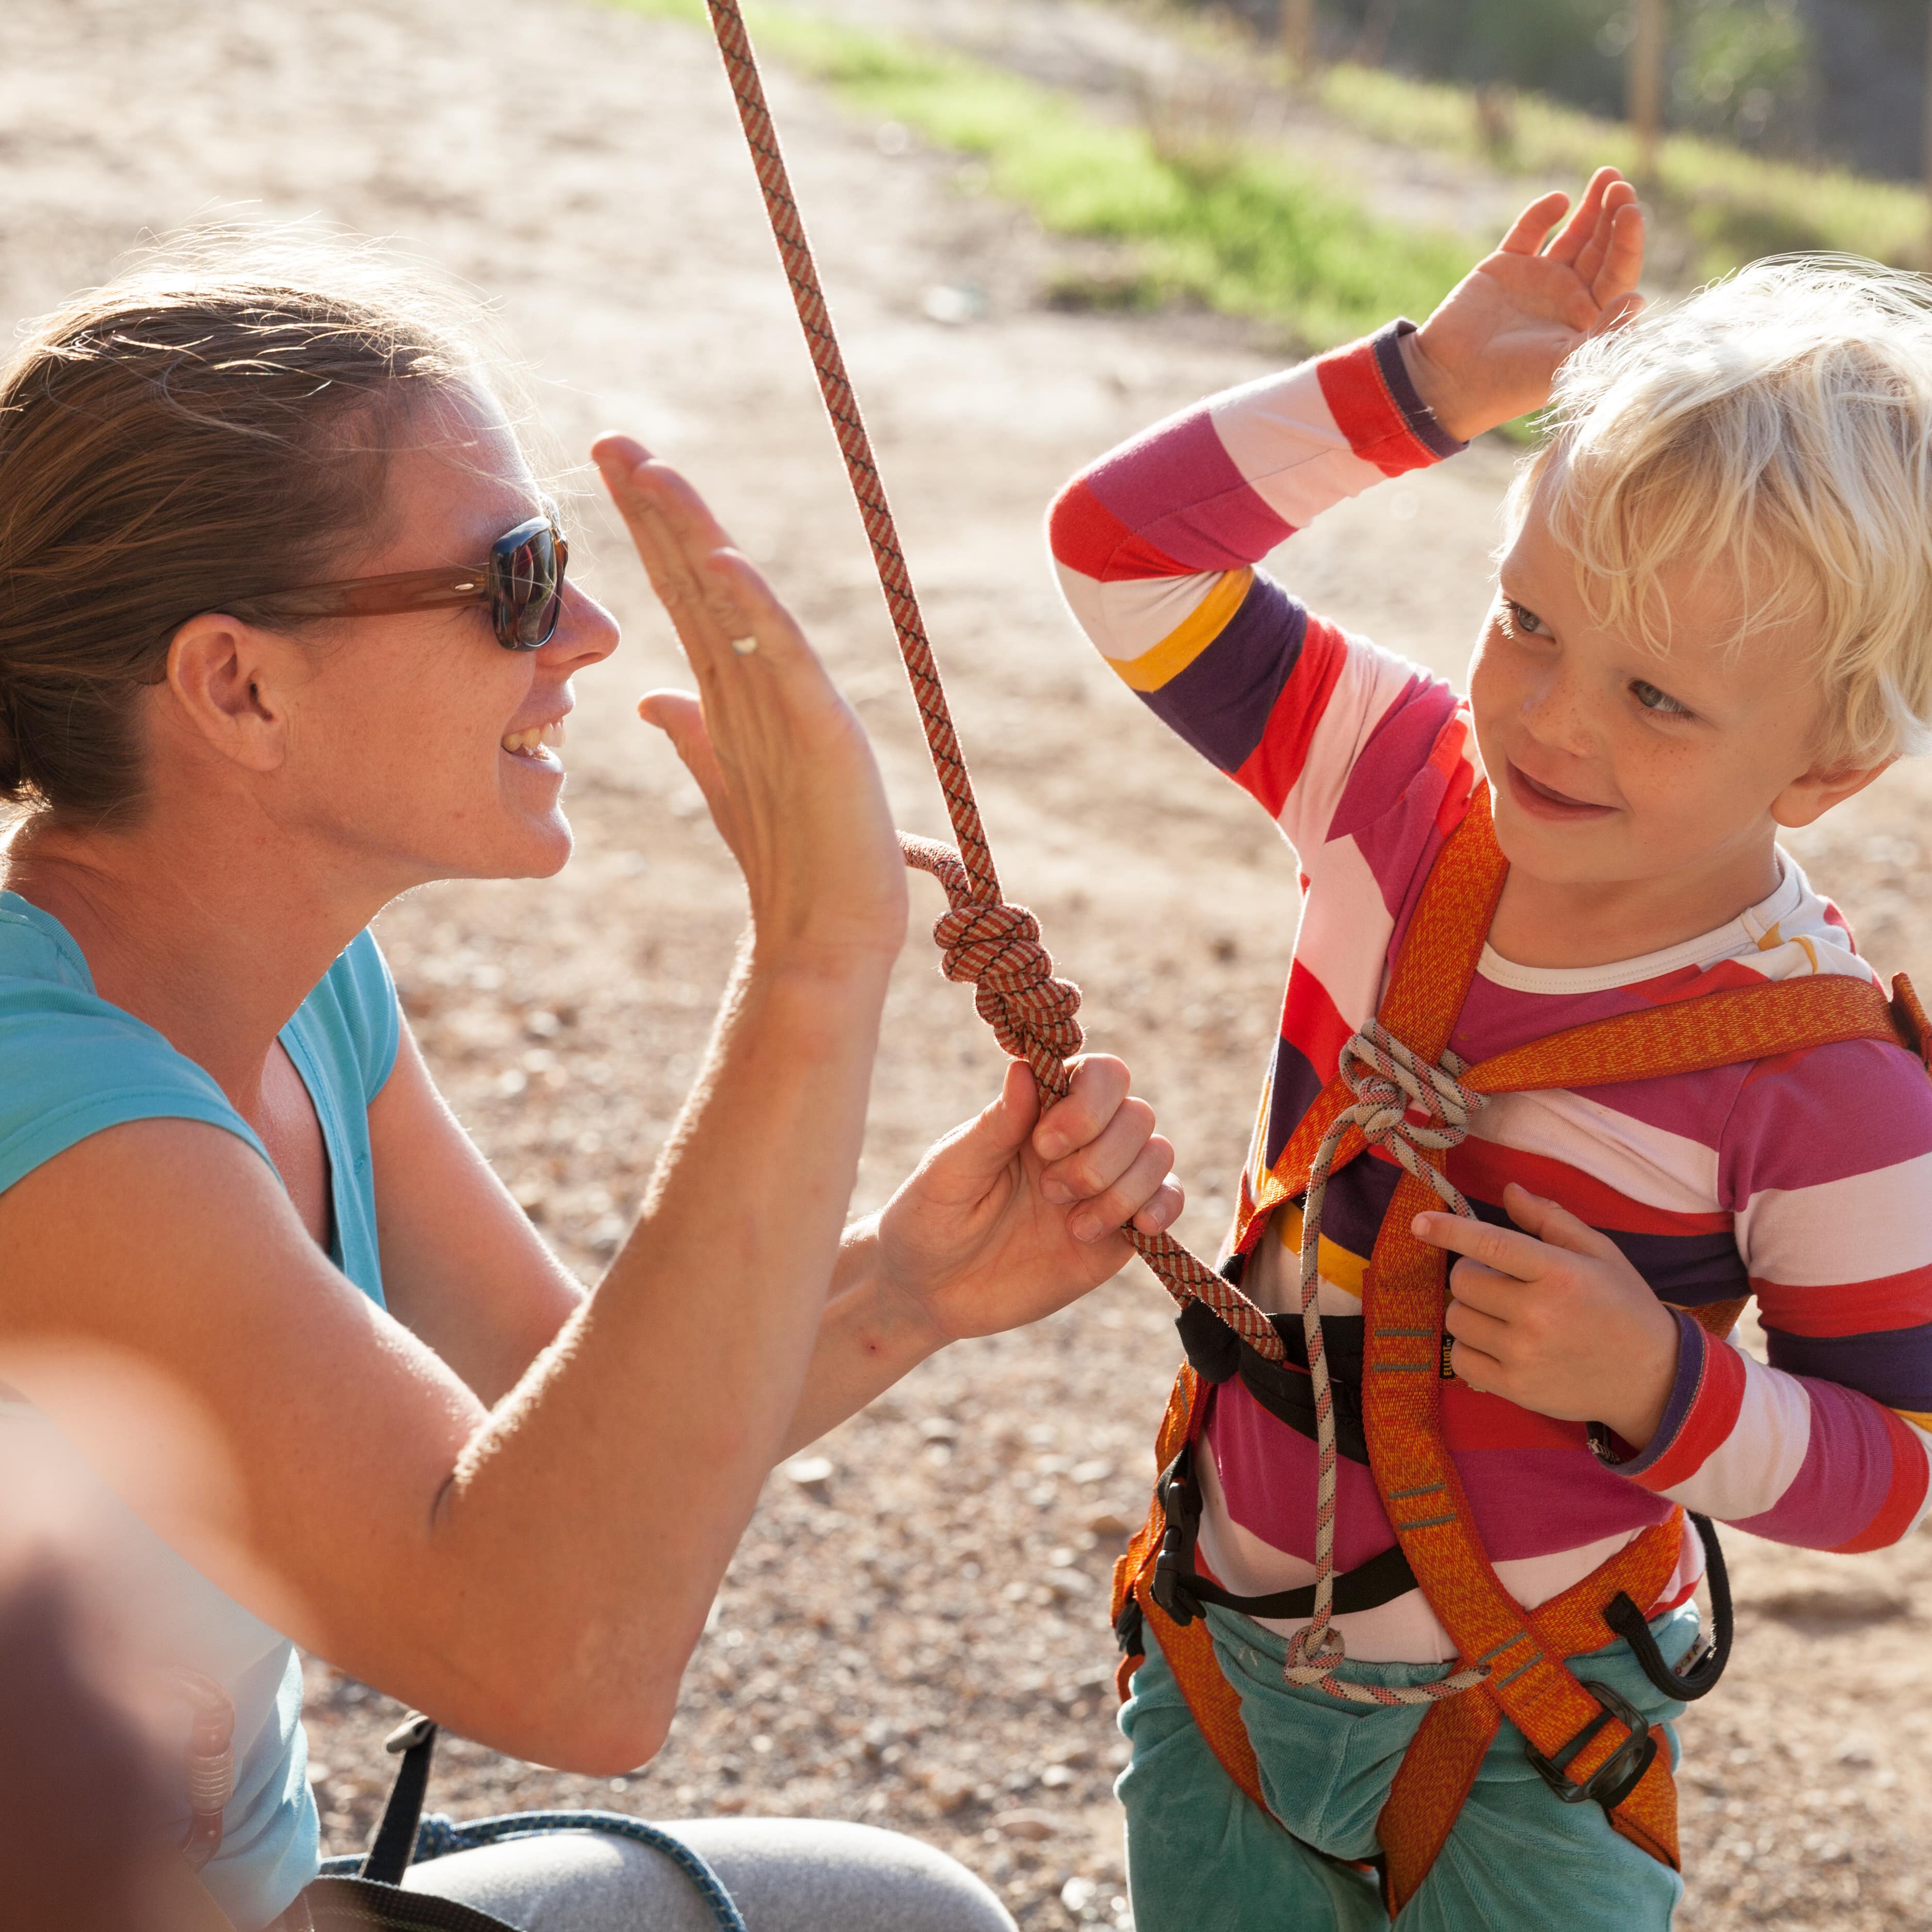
x: 1609, y: 762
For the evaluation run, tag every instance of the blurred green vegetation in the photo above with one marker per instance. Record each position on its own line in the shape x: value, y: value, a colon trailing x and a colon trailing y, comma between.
x: 1245, y: 229
x: 1239, y: 230
x: 1734, y: 205
x: 1744, y: 70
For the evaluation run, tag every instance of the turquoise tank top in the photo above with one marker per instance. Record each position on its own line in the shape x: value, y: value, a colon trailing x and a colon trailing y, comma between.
x: 71, y: 1064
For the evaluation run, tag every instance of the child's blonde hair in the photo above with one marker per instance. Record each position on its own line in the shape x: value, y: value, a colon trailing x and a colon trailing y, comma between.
x: 1779, y: 423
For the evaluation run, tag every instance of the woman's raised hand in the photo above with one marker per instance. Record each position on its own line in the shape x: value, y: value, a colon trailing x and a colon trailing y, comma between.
x: 784, y: 765
x: 1014, y: 1215
x: 1491, y: 351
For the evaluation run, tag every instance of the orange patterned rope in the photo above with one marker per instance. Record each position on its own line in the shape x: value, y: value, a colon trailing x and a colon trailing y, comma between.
x: 993, y: 947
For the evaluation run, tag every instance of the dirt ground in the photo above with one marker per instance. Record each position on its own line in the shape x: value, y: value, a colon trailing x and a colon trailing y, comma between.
x: 918, y: 1637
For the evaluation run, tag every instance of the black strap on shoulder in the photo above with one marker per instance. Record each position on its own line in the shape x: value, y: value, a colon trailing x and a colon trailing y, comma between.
x: 395, y: 1844
x: 1697, y: 1675
x: 1182, y: 1591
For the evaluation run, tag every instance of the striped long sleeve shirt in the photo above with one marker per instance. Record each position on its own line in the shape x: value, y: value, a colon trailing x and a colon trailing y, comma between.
x: 1805, y: 1181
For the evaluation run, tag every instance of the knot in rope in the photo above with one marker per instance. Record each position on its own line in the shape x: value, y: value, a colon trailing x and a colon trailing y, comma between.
x: 1389, y: 1082
x: 994, y: 947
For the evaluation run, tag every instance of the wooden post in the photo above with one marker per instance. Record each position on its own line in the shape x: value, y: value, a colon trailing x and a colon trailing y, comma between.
x: 1646, y: 84
x: 1297, y: 38
x: 1928, y: 108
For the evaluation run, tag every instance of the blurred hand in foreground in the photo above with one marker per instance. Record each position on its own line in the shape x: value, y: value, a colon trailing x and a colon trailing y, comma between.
x: 83, y: 1790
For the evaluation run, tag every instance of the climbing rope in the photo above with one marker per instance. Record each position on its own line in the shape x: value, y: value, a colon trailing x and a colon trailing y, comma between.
x: 988, y: 943
x: 1389, y: 1083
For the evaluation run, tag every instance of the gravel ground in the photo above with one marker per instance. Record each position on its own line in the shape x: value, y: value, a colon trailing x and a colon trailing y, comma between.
x: 915, y: 1635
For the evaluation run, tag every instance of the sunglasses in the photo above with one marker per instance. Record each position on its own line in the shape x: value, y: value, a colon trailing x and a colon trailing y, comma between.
x: 522, y: 582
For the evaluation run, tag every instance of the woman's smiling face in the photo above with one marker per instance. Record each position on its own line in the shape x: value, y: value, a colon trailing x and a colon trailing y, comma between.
x: 1610, y: 761
x: 417, y: 741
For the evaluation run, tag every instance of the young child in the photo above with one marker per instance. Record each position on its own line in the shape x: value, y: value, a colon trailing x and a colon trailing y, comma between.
x: 1713, y: 619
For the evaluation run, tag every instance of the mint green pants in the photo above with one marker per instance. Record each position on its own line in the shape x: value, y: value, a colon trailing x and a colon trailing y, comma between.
x: 1201, y: 1859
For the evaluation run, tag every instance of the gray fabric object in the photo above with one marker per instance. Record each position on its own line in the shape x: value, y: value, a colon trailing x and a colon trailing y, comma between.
x: 787, y: 1875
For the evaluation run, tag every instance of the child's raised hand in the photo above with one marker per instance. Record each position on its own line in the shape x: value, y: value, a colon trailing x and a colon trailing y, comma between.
x: 1555, y: 1319
x: 1491, y: 351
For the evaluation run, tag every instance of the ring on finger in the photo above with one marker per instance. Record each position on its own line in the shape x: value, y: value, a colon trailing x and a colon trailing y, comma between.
x: 744, y: 646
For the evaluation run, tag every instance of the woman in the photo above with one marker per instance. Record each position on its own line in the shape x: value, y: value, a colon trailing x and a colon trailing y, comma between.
x: 256, y: 678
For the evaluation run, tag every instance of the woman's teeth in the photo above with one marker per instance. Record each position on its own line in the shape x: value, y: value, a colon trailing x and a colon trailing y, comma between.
x: 538, y: 739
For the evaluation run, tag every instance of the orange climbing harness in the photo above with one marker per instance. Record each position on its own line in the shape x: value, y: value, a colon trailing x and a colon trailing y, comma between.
x: 1588, y: 1742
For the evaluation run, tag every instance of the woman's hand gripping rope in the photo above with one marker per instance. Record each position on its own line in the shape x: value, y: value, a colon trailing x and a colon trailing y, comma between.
x: 1389, y: 1083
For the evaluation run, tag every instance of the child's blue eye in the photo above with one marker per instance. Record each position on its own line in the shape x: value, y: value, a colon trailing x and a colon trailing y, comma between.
x: 1523, y: 620
x: 1661, y: 702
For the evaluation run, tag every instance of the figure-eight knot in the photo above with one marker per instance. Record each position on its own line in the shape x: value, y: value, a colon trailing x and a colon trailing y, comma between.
x: 994, y: 947
x: 1390, y: 1083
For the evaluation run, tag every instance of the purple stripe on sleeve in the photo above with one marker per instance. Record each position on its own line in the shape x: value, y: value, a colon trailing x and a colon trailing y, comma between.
x: 1893, y: 1366
x: 1844, y: 1479
x: 1223, y: 533
x: 1422, y: 423
x: 1221, y: 703
x: 1692, y: 1342
x: 1178, y: 487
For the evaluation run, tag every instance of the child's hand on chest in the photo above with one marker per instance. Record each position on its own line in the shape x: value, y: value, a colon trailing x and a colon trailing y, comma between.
x: 1555, y: 1318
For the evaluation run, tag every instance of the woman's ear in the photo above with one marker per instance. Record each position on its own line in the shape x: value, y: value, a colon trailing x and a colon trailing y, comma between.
x: 228, y: 681
x: 1809, y: 796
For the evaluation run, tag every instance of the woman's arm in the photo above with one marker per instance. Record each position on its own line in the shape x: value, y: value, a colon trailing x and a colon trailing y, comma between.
x: 988, y: 1234
x: 462, y: 1267
x: 534, y: 1574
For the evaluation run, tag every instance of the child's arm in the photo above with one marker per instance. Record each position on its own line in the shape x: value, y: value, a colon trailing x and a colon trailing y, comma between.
x: 1830, y: 1159
x: 1155, y: 543
x: 1829, y: 1156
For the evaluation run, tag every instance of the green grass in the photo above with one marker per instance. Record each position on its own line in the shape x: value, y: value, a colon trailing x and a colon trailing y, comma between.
x: 1242, y: 231
x: 1734, y: 205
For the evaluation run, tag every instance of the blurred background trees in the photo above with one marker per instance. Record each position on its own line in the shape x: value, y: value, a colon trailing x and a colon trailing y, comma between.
x: 1833, y: 80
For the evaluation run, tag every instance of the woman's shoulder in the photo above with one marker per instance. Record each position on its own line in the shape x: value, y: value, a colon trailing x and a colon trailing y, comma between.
x: 72, y: 1064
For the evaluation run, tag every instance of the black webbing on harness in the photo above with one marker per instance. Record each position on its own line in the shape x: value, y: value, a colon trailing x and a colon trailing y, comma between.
x: 1181, y: 1590
x: 1697, y: 1675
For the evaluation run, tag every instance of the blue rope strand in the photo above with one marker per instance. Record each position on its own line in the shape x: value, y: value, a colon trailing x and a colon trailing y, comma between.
x: 437, y: 1836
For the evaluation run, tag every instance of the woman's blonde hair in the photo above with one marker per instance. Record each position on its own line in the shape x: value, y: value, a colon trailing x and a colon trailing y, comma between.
x: 1778, y: 423
x: 212, y: 425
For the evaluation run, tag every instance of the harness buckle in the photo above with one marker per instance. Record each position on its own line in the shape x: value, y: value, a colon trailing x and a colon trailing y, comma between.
x: 1180, y: 1505
x: 1617, y: 1777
